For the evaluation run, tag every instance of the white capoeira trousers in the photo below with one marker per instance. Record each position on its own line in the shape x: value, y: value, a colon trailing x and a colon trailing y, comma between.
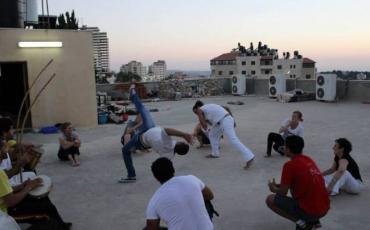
x: 346, y: 183
x: 226, y: 127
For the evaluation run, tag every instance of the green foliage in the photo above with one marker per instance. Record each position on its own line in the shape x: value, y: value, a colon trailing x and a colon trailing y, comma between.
x: 68, y: 21
x: 127, y: 77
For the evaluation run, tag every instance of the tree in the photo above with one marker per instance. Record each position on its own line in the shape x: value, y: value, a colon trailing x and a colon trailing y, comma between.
x: 61, y: 22
x: 68, y: 21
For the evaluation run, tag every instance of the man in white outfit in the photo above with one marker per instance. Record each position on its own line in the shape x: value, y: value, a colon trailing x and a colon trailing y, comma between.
x: 179, y: 202
x: 217, y: 121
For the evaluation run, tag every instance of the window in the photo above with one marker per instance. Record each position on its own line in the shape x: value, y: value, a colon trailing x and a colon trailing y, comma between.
x: 231, y: 72
x: 213, y: 72
x: 279, y: 67
x: 267, y: 71
x: 244, y: 63
x: 291, y: 66
x: 308, y: 76
x: 253, y: 62
x: 219, y: 72
x: 253, y: 72
x: 244, y: 72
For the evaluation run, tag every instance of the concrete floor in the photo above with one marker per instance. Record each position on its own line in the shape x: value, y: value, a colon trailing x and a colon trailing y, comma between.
x: 90, y: 197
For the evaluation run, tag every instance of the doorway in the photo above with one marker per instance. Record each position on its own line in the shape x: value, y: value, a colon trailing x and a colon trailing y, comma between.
x: 13, y: 87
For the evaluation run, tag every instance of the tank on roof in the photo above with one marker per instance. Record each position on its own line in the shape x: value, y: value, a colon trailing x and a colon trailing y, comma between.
x: 9, y: 16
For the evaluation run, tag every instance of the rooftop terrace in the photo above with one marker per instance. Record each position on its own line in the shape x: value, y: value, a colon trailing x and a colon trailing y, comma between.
x: 90, y: 197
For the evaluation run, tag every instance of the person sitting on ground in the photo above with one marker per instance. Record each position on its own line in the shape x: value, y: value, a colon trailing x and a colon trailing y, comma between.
x: 151, y: 136
x: 16, y: 202
x: 344, y: 173
x: 179, y: 201
x: 289, y: 127
x: 217, y: 121
x: 69, y: 145
x: 300, y: 175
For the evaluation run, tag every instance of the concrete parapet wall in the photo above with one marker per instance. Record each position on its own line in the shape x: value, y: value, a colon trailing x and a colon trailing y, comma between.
x: 346, y: 90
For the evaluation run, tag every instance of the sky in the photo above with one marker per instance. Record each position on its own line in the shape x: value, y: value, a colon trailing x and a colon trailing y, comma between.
x: 188, y: 33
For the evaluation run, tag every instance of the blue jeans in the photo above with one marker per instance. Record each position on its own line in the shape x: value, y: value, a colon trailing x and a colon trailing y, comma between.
x: 134, y: 142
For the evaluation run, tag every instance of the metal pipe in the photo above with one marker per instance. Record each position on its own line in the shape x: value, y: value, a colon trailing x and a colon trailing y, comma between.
x: 42, y: 5
x: 47, y: 10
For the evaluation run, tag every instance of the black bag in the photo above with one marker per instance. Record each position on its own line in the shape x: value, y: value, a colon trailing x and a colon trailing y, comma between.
x: 210, y: 209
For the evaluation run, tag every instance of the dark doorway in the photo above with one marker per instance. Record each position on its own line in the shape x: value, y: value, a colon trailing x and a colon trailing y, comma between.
x: 13, y: 87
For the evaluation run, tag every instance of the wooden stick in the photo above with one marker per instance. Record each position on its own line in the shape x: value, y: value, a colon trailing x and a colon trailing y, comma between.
x: 25, y: 118
x: 33, y: 103
x: 26, y: 95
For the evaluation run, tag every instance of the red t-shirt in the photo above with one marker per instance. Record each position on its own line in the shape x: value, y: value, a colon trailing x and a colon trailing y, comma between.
x: 306, y: 185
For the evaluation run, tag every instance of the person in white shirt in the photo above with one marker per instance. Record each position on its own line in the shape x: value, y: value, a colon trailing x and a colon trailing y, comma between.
x: 218, y: 121
x: 290, y: 126
x: 179, y: 202
x: 151, y: 136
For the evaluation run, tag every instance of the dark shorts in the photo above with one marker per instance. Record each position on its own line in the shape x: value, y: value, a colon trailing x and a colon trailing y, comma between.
x: 63, y: 153
x: 291, y: 207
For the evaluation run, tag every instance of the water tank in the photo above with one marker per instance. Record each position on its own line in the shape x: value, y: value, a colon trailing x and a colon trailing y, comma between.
x: 9, y: 14
x: 31, y: 11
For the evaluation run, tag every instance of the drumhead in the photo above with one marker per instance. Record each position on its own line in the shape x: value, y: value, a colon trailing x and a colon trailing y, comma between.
x: 44, y: 189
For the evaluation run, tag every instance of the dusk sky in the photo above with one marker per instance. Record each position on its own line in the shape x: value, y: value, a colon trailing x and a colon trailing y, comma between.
x: 188, y: 33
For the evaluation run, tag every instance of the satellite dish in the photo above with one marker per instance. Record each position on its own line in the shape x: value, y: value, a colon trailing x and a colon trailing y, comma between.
x: 361, y: 76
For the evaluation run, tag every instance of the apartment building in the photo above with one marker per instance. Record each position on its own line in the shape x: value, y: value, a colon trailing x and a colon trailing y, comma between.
x: 135, y: 67
x: 101, y: 51
x: 262, y: 64
x: 158, y: 70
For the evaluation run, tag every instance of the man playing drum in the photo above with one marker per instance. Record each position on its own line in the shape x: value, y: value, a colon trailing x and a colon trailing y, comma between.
x: 16, y: 201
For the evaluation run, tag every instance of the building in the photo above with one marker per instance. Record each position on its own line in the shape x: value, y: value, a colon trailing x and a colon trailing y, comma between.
x: 262, y: 63
x: 101, y: 51
x: 158, y: 70
x: 70, y: 96
x: 135, y: 67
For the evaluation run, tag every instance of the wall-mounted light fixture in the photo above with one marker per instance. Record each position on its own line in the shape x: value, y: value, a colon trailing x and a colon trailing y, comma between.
x: 53, y: 44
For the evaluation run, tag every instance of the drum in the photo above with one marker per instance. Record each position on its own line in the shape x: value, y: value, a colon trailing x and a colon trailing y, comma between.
x: 44, y: 189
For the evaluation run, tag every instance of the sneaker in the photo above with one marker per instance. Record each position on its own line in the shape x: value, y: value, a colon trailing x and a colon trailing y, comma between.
x: 127, y: 180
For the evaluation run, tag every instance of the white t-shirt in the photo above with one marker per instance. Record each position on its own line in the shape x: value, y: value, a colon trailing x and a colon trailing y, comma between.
x: 6, y: 164
x: 160, y: 141
x: 298, y: 131
x: 213, y: 113
x: 179, y: 202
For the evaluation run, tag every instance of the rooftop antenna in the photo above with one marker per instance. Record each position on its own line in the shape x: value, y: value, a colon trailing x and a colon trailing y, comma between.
x: 47, y: 11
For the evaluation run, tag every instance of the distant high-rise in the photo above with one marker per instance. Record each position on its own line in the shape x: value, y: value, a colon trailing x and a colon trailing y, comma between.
x: 134, y: 67
x: 101, y: 51
x: 158, y: 70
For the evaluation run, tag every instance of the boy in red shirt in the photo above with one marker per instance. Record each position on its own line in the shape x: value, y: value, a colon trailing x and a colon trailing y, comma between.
x: 310, y: 200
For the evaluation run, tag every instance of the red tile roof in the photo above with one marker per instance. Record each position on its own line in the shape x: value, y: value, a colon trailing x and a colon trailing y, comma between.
x: 226, y: 57
x: 308, y: 61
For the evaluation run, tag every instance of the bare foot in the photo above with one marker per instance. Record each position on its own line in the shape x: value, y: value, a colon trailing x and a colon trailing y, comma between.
x: 74, y: 164
x: 267, y: 156
x: 248, y: 164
